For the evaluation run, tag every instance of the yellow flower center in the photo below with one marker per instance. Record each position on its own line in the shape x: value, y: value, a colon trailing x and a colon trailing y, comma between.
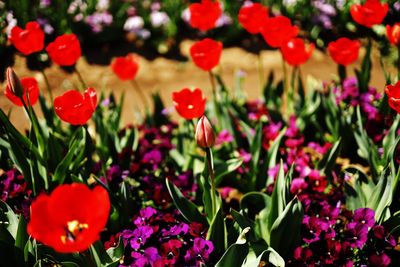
x: 72, y: 230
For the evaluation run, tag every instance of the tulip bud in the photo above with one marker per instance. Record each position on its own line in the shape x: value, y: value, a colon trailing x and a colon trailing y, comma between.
x: 14, y: 83
x: 205, y: 136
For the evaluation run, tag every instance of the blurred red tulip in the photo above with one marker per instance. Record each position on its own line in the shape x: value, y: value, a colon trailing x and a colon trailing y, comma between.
x: 277, y: 31
x: 370, y: 13
x: 206, y: 53
x: 393, y: 33
x: 30, y: 90
x: 295, y: 52
x: 189, y: 104
x: 252, y: 17
x: 393, y: 94
x: 75, y: 108
x: 344, y: 51
x: 28, y: 40
x: 70, y: 218
x: 205, y: 136
x: 125, y: 68
x: 65, y: 50
x: 204, y: 15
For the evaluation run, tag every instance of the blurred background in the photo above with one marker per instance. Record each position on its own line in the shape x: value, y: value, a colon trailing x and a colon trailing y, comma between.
x: 159, y: 32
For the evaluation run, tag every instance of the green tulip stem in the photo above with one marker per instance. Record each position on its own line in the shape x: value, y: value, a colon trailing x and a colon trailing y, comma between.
x: 82, y: 81
x: 210, y: 164
x: 139, y: 90
x: 398, y: 62
x: 213, y: 87
x: 260, y: 71
x: 46, y: 81
x: 342, y: 73
x: 285, y: 86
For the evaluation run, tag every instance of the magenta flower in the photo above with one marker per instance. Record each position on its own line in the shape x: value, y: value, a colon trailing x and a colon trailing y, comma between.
x: 357, y: 234
x: 148, y: 258
x: 200, y: 252
x: 364, y: 216
x: 224, y: 137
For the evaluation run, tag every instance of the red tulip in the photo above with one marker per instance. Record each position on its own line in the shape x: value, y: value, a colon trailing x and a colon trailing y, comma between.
x: 393, y: 33
x: 205, y: 136
x: 252, y: 17
x: 29, y: 40
x: 344, y: 51
x: 75, y: 108
x: 206, y: 53
x: 371, y: 13
x: 125, y: 67
x: 295, y: 52
x: 65, y: 50
x: 30, y: 90
x: 204, y: 15
x: 277, y: 31
x: 189, y: 104
x: 70, y: 218
x: 393, y: 94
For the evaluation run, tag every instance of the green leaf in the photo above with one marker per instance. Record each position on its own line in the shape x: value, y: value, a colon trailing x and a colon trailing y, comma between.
x: 217, y: 232
x: 9, y: 220
x: 244, y: 223
x: 279, y: 197
x: 254, y: 202
x: 393, y: 224
x: 188, y: 210
x: 381, y: 197
x: 270, y: 161
x: 358, y: 188
x: 22, y: 236
x: 73, y: 158
x: 267, y: 257
x: 236, y: 253
x: 328, y: 162
x: 223, y: 168
x: 116, y: 253
x: 287, y: 224
x: 23, y: 140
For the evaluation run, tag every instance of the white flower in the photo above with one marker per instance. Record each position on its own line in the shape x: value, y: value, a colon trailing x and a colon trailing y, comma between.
x: 158, y: 19
x: 134, y: 23
x: 11, y: 21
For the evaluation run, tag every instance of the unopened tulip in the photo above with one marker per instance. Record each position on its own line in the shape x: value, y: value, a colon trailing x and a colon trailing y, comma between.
x: 205, y: 136
x: 14, y: 83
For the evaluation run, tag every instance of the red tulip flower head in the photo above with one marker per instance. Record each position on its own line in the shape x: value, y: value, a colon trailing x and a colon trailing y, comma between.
x: 204, y: 15
x: 70, y: 218
x: 125, y: 68
x: 393, y: 94
x: 27, y: 88
x: 65, y: 50
x: 371, y: 13
x: 206, y: 53
x: 344, y: 51
x: 295, y: 52
x: 75, y: 108
x: 205, y: 136
x: 278, y: 30
x: 252, y: 17
x: 393, y: 33
x: 189, y: 104
x: 28, y: 40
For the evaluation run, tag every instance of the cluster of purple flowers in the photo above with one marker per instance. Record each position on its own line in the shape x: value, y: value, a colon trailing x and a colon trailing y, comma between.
x: 160, y: 238
x: 147, y: 167
x: 334, y: 236
x: 349, y: 94
x: 13, y: 189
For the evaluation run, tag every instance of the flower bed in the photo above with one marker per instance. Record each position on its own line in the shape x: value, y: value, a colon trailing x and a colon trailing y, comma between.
x: 305, y: 176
